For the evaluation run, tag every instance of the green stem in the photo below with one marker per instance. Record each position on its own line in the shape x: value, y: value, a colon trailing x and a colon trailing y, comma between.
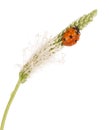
x: 9, y: 104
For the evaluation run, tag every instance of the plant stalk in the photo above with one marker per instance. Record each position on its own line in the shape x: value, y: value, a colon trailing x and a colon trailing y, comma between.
x: 9, y: 104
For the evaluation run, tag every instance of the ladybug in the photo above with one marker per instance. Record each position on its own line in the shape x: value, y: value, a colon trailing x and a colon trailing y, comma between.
x: 70, y: 36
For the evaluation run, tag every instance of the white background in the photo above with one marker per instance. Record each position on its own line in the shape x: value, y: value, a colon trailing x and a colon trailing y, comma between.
x: 71, y: 95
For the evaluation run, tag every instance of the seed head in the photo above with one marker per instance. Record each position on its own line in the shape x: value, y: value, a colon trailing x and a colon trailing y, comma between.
x: 51, y: 46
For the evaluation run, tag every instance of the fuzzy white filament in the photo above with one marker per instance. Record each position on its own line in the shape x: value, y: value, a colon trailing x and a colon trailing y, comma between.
x: 44, y: 53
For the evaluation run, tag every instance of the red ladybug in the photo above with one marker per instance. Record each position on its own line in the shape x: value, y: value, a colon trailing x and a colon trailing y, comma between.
x: 70, y: 36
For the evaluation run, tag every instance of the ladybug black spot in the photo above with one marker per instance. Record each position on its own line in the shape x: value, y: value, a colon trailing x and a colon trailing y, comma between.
x: 75, y: 41
x: 71, y: 36
x: 64, y: 39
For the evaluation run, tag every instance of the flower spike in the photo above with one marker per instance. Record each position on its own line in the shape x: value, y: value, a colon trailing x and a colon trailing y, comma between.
x: 71, y: 35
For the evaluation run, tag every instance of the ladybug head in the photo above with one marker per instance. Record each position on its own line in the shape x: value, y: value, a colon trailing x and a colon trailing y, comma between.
x: 77, y: 29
